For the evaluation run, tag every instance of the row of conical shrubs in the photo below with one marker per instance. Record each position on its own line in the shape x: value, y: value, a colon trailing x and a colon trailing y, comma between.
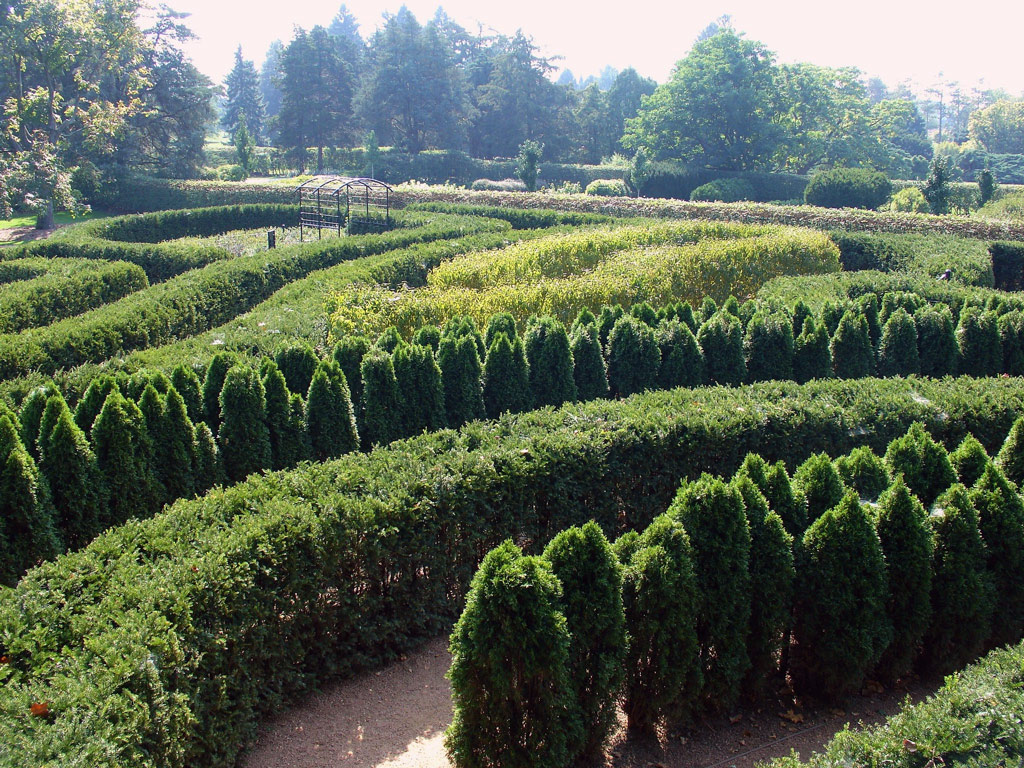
x: 731, y: 588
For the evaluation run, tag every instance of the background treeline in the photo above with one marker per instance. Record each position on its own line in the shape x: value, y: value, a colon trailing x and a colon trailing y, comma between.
x: 830, y: 577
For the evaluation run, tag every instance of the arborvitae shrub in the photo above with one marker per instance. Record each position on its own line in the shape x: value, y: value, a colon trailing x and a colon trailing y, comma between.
x: 186, y: 382
x: 923, y: 463
x: 28, y: 525
x: 428, y: 336
x: 117, y: 439
x: 208, y: 469
x: 76, y: 487
x: 840, y: 621
x: 460, y: 377
x: 969, y: 461
x: 55, y: 405
x: 936, y: 341
x: 348, y: 353
x: 800, y: 314
x: 771, y: 585
x: 747, y: 311
x: 506, y: 379
x: 92, y: 401
x: 606, y: 321
x: 502, y: 322
x: 907, y: 545
x: 510, y: 649
x: 784, y: 500
x: 819, y: 484
x: 139, y: 380
x: 591, y: 578
x: 297, y: 363
x: 419, y: 388
x: 962, y: 590
x: 276, y: 393
x: 894, y: 300
x: 634, y: 359
x: 830, y: 316
x: 458, y: 327
x: 897, y: 350
x: 755, y: 468
x: 1010, y: 458
x: 588, y: 367
x: 645, y: 313
x: 863, y: 471
x: 659, y: 594
x: 1001, y: 522
x: 382, y: 403
x: 812, y: 358
x: 1011, y: 339
x: 732, y: 306
x: 550, y: 359
x: 708, y: 309
x: 685, y: 315
x: 330, y: 417
x: 868, y: 306
x: 977, y: 338
x: 243, y: 437
x: 389, y: 340
x: 682, y: 363
x: 852, y: 356
x: 175, y: 448
x: 721, y: 342
x: 151, y: 405
x: 31, y: 415
x: 848, y: 188
x: 768, y: 347
x: 713, y: 515
x: 216, y: 372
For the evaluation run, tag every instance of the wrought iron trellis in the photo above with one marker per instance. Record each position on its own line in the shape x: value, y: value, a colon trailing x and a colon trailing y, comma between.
x: 336, y: 202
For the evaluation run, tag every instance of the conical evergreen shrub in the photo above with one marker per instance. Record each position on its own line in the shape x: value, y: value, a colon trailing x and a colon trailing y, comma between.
x: 502, y: 322
x: 708, y: 309
x: 244, y: 438
x: 685, y: 315
x: 936, y: 341
x: 863, y: 471
x: 92, y: 401
x: 382, y: 403
x: 216, y: 372
x: 458, y: 327
x: 420, y: 391
x: 151, y: 405
x: 785, y: 501
x: 428, y: 336
x: 583, y: 319
x: 511, y: 694
x: 819, y: 484
x: 31, y: 415
x: 831, y: 315
x: 659, y: 595
x: 897, y: 349
x: 868, y: 306
x: 28, y: 525
x: 330, y: 417
x: 277, y: 396
x: 768, y: 347
x: 297, y: 363
x: 963, y: 595
x: 645, y: 313
x: 801, y: 312
x: 907, y: 544
x: 840, y: 622
x: 118, y: 439
x: 606, y: 321
x: 389, y: 340
x: 588, y: 368
x: 969, y: 461
x: 506, y: 378
x: 812, y: 358
x: 1011, y: 339
x: 208, y: 470
x: 55, y: 405
x: 591, y: 578
x: 755, y: 468
x: 186, y: 382
x: 634, y: 359
x: 460, y: 378
x: 852, y: 355
x: 721, y: 342
x: 713, y: 515
x: 1010, y: 458
x: 977, y: 338
x: 550, y: 358
x: 682, y: 363
x: 175, y: 449
x: 1001, y: 522
x: 748, y: 309
x: 771, y: 587
x: 348, y: 353
x: 923, y: 463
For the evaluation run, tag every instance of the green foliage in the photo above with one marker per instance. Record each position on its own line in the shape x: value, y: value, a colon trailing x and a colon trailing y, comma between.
x: 819, y: 484
x: 713, y: 515
x: 460, y: 378
x: 118, y: 439
x: 768, y: 347
x: 850, y: 347
x: 969, y: 461
x: 936, y: 341
x: 784, y: 500
x: 986, y: 186
x: 907, y: 545
x: 963, y: 593
x: 348, y: 353
x: 1010, y: 458
x: 848, y: 188
x: 92, y: 401
x: 28, y: 526
x: 840, y: 621
x: 977, y: 336
x: 591, y: 577
x: 501, y: 322
x: 510, y: 655
x: 682, y: 362
x: 186, y: 382
x: 923, y: 463
x: 721, y: 341
x: 634, y: 358
x: 864, y: 472
x: 728, y: 190
x: 897, y: 350
x: 277, y: 397
x: 1011, y: 338
x: 589, y: 371
x: 330, y: 418
x: 421, y: 394
x: 506, y: 377
x: 550, y: 360
x: 812, y: 358
x: 909, y: 200
x: 528, y: 163
x: 208, y: 469
x: 661, y: 601
x: 297, y: 363
x: 31, y: 415
x: 937, y: 187
x: 216, y: 373
x: 243, y: 437
x: 381, y: 406
x: 607, y: 188
x: 175, y: 448
x: 1007, y: 265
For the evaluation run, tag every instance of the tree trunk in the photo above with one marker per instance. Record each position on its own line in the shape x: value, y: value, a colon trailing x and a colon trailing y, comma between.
x: 45, y: 219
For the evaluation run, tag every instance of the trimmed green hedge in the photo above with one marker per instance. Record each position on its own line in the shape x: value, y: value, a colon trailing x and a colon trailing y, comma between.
x: 165, y: 641
x: 931, y: 254
x: 1007, y: 265
x: 517, y: 217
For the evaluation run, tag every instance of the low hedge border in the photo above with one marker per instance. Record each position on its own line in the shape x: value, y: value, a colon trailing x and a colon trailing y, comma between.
x: 164, y: 641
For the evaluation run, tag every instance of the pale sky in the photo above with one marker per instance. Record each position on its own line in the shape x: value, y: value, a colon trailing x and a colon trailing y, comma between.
x: 896, y: 40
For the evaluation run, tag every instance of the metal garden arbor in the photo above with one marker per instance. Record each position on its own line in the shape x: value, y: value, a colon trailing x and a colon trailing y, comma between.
x: 334, y: 202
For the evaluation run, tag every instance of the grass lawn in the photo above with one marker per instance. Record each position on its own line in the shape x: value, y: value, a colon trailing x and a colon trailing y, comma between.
x: 29, y: 220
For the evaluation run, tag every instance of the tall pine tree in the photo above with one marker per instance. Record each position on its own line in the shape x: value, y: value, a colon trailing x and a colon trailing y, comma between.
x: 243, y: 97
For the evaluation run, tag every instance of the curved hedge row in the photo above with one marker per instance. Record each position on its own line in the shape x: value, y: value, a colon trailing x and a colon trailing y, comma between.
x: 64, y: 287
x: 164, y: 641
x: 205, y: 298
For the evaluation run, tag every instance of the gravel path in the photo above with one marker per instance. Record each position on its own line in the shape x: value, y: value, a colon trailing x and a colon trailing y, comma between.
x: 395, y: 718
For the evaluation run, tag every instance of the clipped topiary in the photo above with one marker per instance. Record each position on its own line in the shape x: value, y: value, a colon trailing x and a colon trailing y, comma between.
x: 175, y: 448
x: 208, y: 470
x: 969, y: 461
x: 502, y: 322
x: 117, y: 439
x: 187, y: 384
x: 936, y: 341
x: 962, y: 590
x: 511, y: 695
x: 645, y: 313
x: 923, y: 463
x: 588, y: 367
x: 330, y: 417
x: 771, y: 587
x: 1011, y: 339
x: 897, y: 349
x: 819, y: 484
x: 276, y: 393
x: 713, y: 515
x: 550, y: 358
x: 389, y: 340
x: 428, y: 336
x: 151, y: 405
x: 840, y: 622
x: 297, y: 363
x: 382, y: 402
x: 848, y: 188
x: 633, y: 357
x: 852, y: 355
x: 506, y: 378
x: 784, y: 500
x: 216, y: 372
x: 591, y: 578
x: 419, y: 387
x: 863, y: 471
x: 812, y: 358
x: 1010, y: 458
x: 721, y: 342
x: 768, y: 347
x: 348, y: 354
x: 91, y: 404
x: 460, y: 378
x: 659, y: 595
x: 868, y: 306
x: 907, y: 544
x: 977, y: 339
x: 30, y: 417
x: 606, y: 321
x: 682, y: 363
x: 243, y: 437
x: 29, y: 532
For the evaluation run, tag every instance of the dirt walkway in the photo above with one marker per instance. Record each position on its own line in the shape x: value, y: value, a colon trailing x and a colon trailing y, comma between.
x: 395, y: 718
x: 24, y: 234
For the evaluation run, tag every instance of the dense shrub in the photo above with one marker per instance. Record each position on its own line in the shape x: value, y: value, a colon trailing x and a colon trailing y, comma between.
x: 936, y: 341
x: 969, y: 461
x: 421, y: 393
x: 550, y: 361
x: 1007, y: 265
x: 348, y: 354
x: 297, y: 363
x: 243, y: 435
x: 330, y: 415
x: 607, y: 188
x: 848, y: 188
x: 1011, y: 454
x: 850, y: 347
x: 721, y: 342
x: 381, y: 406
x: 634, y: 359
x: 923, y: 463
x: 977, y: 337
x: 812, y: 358
x: 588, y: 367
x: 768, y: 347
x: 682, y: 363
x: 819, y: 485
x: 118, y: 441
x: 724, y: 191
x: 460, y: 378
x: 897, y: 350
x: 864, y: 472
